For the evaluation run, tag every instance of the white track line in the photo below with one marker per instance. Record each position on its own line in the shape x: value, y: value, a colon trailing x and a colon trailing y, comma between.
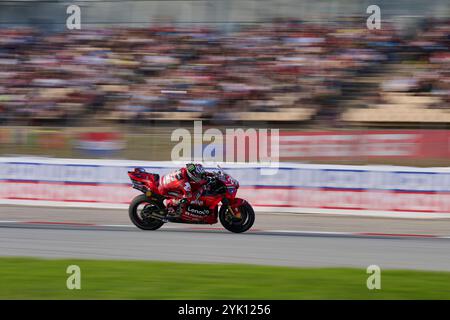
x: 309, y: 232
x: 199, y: 228
x: 258, y: 209
x: 117, y: 225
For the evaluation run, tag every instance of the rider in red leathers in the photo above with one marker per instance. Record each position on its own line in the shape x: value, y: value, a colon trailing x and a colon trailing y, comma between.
x: 184, y: 185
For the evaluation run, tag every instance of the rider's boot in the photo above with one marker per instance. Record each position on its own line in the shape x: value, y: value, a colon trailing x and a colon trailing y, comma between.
x: 181, y: 208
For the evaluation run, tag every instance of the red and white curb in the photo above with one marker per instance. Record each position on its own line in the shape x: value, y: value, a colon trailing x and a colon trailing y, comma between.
x: 200, y: 228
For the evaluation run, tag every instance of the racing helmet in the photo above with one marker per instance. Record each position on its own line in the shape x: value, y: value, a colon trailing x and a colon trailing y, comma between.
x: 196, y: 172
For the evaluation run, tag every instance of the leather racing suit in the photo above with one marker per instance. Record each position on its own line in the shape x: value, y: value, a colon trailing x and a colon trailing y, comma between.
x: 179, y: 186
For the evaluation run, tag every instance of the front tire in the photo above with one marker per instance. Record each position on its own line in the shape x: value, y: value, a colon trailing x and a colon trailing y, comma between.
x: 140, y: 221
x: 246, y: 222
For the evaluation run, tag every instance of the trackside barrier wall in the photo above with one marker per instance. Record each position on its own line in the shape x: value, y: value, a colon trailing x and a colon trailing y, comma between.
x: 302, y: 188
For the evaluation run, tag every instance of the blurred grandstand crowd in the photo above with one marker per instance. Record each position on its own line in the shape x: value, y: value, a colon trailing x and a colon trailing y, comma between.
x: 285, y: 70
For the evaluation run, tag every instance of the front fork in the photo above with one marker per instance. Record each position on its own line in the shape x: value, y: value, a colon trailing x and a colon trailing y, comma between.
x: 232, y: 214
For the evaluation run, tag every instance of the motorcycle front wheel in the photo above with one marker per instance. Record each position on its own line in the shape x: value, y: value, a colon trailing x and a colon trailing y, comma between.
x: 238, y: 225
x: 139, y: 211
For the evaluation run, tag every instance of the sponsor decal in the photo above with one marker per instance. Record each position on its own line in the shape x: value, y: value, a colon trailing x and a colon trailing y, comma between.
x: 365, y: 144
x: 197, y: 202
x: 198, y: 211
x: 44, y: 138
x: 100, y: 143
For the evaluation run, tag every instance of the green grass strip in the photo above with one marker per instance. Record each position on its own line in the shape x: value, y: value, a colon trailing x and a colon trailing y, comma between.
x: 24, y: 278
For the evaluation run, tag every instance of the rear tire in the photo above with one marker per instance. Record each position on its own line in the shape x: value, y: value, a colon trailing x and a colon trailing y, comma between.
x: 143, y: 223
x: 248, y: 218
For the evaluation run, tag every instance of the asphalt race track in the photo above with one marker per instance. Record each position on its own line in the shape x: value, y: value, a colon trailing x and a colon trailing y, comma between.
x: 41, y: 237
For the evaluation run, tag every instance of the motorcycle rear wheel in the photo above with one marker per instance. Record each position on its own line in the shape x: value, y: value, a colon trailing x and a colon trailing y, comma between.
x: 247, y: 215
x: 144, y: 223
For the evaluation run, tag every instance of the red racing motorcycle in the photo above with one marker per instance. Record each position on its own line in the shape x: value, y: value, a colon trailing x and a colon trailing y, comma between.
x: 148, y: 211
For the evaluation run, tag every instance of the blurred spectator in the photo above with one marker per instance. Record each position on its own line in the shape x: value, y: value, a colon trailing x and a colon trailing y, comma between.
x: 131, y: 74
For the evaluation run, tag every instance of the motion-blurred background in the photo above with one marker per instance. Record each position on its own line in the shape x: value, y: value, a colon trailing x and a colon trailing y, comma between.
x: 137, y: 70
x: 339, y: 92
